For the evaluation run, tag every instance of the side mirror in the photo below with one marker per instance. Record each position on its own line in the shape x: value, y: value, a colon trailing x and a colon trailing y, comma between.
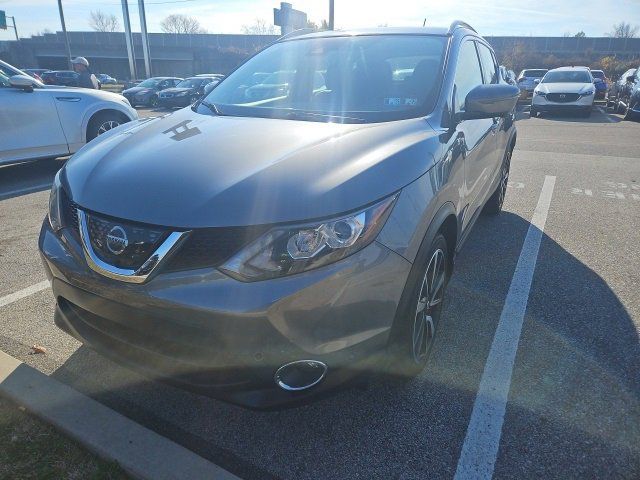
x: 23, y: 82
x: 488, y: 101
x: 536, y: 81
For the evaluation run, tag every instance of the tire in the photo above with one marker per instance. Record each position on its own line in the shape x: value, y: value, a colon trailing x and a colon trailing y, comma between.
x: 496, y: 200
x: 103, y: 122
x: 628, y: 113
x: 153, y: 101
x: 416, y: 325
x: 533, y: 112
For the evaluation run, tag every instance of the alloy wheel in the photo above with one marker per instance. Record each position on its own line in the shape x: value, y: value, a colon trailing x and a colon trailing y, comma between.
x: 106, y: 126
x: 427, y: 309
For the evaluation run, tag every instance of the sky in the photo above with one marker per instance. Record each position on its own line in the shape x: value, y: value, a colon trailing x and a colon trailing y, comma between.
x: 489, y: 17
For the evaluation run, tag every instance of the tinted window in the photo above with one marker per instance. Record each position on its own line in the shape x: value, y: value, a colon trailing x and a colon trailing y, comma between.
x: 190, y: 83
x: 539, y: 73
x: 567, y: 76
x: 468, y: 74
x: 151, y: 82
x: 353, y: 77
x: 489, y: 72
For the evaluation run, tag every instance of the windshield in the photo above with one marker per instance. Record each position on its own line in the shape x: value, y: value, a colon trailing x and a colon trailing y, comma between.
x: 567, y: 76
x: 533, y: 73
x: 190, y: 83
x: 355, y: 79
x: 151, y: 82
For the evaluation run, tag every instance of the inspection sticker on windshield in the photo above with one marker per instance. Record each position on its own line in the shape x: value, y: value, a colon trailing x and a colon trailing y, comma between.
x: 398, y: 101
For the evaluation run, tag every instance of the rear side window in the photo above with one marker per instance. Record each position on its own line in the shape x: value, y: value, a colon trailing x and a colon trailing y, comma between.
x: 489, y: 73
x: 468, y: 74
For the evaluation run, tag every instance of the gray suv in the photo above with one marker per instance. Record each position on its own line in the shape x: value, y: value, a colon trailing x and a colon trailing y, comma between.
x: 262, y: 251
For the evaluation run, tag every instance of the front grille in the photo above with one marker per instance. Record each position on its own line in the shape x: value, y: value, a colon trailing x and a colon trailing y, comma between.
x: 123, y: 244
x: 210, y: 247
x: 203, y: 248
x: 562, y: 97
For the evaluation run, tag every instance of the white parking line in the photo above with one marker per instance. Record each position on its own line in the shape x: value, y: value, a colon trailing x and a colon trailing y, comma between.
x: 24, y: 191
x: 480, y: 448
x: 606, y: 116
x: 25, y: 292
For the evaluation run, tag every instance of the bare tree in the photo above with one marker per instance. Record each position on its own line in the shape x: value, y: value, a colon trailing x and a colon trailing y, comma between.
x: 103, y: 22
x: 259, y: 27
x: 178, y: 23
x: 623, y: 30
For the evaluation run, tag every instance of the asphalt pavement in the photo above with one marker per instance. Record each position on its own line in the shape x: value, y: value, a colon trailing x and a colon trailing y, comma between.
x: 573, y: 407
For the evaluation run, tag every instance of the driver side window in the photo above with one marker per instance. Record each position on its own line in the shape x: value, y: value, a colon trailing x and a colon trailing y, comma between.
x: 468, y: 74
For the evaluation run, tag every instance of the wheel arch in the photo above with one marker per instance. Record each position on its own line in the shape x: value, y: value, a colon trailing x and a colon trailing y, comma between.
x: 102, y: 111
x: 99, y: 109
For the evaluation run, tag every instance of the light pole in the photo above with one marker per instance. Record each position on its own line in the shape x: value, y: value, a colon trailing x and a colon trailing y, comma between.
x: 129, y: 39
x: 331, y: 14
x: 145, y: 38
x: 66, y: 35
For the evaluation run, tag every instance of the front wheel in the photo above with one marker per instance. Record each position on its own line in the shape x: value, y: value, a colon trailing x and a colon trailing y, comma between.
x: 103, y: 122
x: 414, y: 331
x: 153, y: 101
x: 496, y: 200
x: 628, y: 113
x: 533, y: 112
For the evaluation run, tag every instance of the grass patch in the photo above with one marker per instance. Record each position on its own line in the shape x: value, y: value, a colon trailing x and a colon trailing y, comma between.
x: 31, y: 449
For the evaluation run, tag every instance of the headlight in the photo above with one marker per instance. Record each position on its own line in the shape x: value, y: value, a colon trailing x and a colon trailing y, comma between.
x: 538, y: 92
x: 587, y: 93
x: 55, y: 212
x: 143, y: 92
x: 293, y: 249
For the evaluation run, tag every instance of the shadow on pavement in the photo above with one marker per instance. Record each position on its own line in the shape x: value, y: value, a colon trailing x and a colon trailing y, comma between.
x: 573, y: 405
x: 28, y: 177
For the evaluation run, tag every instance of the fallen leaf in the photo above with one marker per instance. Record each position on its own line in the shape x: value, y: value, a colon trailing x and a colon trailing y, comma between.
x: 38, y: 349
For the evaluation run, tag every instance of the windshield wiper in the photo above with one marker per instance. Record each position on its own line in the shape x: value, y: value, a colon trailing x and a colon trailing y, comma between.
x: 212, y: 107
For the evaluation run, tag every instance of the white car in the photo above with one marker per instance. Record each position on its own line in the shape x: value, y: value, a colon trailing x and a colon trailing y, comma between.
x: 564, y: 89
x: 44, y: 121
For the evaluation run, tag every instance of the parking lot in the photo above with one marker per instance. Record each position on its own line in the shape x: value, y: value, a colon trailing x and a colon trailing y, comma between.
x: 573, y: 406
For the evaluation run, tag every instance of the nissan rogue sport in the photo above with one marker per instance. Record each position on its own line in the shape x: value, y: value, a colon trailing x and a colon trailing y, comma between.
x: 263, y: 250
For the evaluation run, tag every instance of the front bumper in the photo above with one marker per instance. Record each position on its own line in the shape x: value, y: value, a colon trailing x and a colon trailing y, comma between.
x: 582, y: 104
x: 210, y: 333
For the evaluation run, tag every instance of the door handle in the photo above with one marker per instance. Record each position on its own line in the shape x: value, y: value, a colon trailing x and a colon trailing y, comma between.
x: 68, y: 99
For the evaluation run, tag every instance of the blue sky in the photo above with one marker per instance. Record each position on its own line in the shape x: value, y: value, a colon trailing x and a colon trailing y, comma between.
x: 489, y: 17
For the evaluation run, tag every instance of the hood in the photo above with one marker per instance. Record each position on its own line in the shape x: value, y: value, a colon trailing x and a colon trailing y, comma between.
x: 565, y: 87
x: 191, y: 170
x: 86, y: 92
x: 175, y: 90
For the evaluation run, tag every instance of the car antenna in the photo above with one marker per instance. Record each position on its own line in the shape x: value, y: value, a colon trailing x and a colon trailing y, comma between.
x: 424, y: 24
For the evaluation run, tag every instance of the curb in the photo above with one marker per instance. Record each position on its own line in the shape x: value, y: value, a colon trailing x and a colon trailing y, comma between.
x: 139, y: 451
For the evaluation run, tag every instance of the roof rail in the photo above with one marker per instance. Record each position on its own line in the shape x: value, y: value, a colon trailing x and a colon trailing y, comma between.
x: 459, y: 24
x: 297, y: 33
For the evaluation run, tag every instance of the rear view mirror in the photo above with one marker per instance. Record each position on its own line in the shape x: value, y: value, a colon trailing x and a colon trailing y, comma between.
x: 488, y: 101
x: 24, y: 82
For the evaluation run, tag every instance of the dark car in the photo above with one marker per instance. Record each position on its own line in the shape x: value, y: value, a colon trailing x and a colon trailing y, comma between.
x: 66, y: 78
x: 628, y: 97
x: 132, y: 83
x: 601, y: 83
x: 185, y: 93
x: 146, y: 92
x: 616, y: 88
x: 265, y: 251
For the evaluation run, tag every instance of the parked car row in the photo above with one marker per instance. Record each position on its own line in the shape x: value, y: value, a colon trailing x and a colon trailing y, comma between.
x: 171, y: 91
x: 576, y: 88
x: 67, y: 78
